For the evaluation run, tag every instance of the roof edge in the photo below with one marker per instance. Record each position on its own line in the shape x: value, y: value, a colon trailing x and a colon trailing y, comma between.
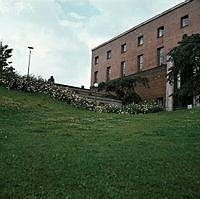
x: 143, y: 23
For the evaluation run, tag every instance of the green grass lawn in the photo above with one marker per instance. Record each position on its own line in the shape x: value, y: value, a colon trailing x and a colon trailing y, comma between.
x: 50, y: 150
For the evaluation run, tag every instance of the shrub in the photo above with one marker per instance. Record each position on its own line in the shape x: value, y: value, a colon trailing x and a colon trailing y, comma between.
x: 107, y: 108
x: 10, y: 79
x: 144, y: 107
x: 124, y: 88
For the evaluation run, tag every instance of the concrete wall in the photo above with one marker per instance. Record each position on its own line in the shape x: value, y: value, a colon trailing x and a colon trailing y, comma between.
x: 104, y: 100
x: 169, y: 91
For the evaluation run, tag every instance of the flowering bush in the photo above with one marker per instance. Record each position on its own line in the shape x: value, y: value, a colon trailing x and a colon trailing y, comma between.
x: 108, y: 108
x: 32, y: 84
x: 144, y: 107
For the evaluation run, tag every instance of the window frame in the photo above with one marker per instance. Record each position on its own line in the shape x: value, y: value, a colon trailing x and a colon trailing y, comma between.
x: 186, y: 17
x: 123, y: 69
x: 141, y: 38
x: 123, y: 48
x: 161, y: 56
x: 140, y: 62
x: 108, y: 73
x: 95, y: 77
x: 109, y: 54
x: 161, y: 30
x: 160, y: 101
x: 96, y: 60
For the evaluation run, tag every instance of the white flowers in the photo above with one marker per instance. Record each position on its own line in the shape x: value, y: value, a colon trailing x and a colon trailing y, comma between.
x: 39, y: 85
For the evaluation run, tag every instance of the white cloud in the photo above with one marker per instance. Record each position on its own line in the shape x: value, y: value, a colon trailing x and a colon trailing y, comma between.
x: 57, y: 50
x: 76, y: 16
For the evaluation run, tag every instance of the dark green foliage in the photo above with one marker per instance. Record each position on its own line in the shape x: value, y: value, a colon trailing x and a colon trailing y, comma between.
x: 124, y: 88
x: 5, y: 54
x: 6, y: 70
x: 186, y: 63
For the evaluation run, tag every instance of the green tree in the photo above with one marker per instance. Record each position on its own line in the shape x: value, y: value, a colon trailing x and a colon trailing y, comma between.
x: 5, y: 54
x: 124, y: 88
x: 185, y: 68
x: 7, y: 72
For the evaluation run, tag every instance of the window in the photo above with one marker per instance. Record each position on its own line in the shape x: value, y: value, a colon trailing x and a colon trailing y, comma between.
x: 108, y: 73
x: 123, y: 48
x: 160, y: 32
x: 140, y: 40
x: 123, y: 66
x: 184, y: 21
x: 96, y: 77
x: 160, y: 101
x: 109, y: 54
x: 96, y: 60
x: 160, y: 52
x: 140, y: 62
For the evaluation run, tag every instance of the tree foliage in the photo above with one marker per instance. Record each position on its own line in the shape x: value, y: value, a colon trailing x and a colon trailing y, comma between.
x: 5, y: 68
x: 124, y: 88
x: 185, y: 60
x: 5, y: 54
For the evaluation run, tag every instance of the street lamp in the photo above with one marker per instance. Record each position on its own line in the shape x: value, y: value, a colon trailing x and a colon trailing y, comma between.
x: 29, y: 60
x: 96, y: 85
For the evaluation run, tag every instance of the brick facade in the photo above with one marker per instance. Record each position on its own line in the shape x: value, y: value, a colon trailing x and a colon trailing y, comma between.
x: 156, y: 86
x: 143, y: 44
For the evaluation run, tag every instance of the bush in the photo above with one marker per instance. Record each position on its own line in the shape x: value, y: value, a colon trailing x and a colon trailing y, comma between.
x: 107, y: 108
x: 124, y: 88
x: 144, y: 107
x: 10, y: 79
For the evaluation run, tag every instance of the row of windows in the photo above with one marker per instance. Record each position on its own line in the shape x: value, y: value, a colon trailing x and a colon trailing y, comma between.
x: 160, y: 33
x: 140, y: 65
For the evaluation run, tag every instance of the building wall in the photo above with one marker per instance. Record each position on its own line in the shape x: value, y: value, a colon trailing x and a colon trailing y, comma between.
x: 171, y: 20
x: 157, y: 84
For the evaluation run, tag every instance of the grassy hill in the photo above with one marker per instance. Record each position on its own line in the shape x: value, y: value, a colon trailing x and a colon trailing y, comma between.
x: 50, y: 150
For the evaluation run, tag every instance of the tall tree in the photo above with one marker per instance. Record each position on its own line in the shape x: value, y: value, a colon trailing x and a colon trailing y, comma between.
x: 185, y: 70
x: 5, y: 54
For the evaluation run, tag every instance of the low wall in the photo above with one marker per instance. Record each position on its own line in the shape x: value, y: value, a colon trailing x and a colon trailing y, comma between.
x: 93, y: 95
x: 104, y: 100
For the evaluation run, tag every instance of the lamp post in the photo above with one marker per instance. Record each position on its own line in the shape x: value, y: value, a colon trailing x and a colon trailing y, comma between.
x: 29, y: 60
x: 96, y: 86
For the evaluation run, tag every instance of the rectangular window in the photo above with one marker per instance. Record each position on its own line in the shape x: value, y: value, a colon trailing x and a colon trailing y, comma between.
x: 160, y: 31
x: 140, y: 62
x: 184, y: 21
x: 140, y: 40
x: 109, y: 54
x: 96, y: 77
x: 123, y: 68
x: 123, y: 48
x: 160, y: 101
x: 160, y: 52
x: 96, y: 60
x: 108, y: 73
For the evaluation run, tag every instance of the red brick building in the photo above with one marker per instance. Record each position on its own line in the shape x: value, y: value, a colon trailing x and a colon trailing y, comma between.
x: 143, y: 50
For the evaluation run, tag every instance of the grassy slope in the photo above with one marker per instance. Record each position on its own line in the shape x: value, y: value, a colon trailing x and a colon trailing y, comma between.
x: 49, y: 150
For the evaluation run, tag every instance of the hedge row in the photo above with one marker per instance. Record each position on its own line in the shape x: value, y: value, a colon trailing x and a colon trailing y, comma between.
x: 10, y: 79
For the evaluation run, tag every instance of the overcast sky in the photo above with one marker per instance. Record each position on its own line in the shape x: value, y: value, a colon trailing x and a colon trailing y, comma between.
x: 63, y: 32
